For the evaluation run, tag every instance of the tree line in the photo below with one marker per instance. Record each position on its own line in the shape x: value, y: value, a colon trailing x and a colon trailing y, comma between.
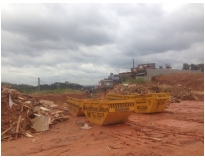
x: 29, y: 88
x: 192, y: 66
x: 59, y: 85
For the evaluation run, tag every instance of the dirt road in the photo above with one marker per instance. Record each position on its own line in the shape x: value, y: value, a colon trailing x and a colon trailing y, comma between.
x: 179, y: 130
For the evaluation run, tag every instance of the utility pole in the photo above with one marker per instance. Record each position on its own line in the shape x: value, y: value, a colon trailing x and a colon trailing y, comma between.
x: 133, y: 63
x: 38, y: 84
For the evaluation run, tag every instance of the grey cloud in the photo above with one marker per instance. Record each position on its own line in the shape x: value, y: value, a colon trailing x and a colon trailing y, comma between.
x: 176, y: 31
x: 54, y: 28
x: 84, y: 42
x: 57, y: 25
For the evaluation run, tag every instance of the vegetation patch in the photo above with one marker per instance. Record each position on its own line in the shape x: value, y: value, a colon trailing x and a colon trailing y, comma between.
x: 136, y: 81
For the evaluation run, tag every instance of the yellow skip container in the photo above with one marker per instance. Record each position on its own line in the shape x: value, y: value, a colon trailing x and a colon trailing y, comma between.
x: 105, y: 112
x: 119, y: 97
x: 146, y: 103
x: 151, y: 103
x: 75, y: 106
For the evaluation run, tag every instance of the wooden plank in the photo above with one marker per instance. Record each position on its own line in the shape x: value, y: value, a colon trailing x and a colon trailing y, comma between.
x: 17, y: 127
x: 5, y: 131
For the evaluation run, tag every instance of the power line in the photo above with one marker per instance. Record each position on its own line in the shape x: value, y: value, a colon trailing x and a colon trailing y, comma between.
x: 42, y: 81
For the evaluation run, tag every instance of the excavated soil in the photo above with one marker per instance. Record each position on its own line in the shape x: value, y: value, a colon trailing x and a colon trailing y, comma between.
x: 178, y: 131
x: 193, y: 81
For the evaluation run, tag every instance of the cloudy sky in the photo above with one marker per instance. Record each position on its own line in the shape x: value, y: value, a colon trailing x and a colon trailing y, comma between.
x: 84, y: 43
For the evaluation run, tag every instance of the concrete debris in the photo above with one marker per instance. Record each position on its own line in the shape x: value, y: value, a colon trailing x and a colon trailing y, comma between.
x: 26, y: 114
x: 177, y: 92
x: 86, y: 126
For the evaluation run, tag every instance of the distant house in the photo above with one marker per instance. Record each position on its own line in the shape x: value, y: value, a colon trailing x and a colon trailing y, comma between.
x: 143, y: 67
x: 114, y: 77
x: 148, y: 70
x: 109, y: 82
x: 140, y: 70
x: 125, y: 74
x: 106, y: 83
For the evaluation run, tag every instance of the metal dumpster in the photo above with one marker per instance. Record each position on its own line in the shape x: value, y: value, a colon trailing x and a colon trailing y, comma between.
x: 75, y: 106
x: 105, y: 112
x: 151, y: 103
x: 119, y: 96
x: 145, y: 103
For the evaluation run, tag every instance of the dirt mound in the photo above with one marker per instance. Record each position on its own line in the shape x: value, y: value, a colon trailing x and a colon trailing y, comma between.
x: 180, y: 86
x: 194, y: 81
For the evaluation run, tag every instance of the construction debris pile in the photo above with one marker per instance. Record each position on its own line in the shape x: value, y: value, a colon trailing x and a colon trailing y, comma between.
x: 177, y: 92
x: 21, y: 114
x: 130, y: 89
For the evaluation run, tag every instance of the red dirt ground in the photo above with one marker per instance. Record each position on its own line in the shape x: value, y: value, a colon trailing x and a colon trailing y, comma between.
x: 177, y: 131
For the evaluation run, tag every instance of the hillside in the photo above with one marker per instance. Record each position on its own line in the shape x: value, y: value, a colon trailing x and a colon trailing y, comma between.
x: 180, y: 86
x: 194, y: 81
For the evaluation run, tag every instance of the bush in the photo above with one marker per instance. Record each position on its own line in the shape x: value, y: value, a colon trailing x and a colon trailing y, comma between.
x: 124, y: 79
x: 136, y: 81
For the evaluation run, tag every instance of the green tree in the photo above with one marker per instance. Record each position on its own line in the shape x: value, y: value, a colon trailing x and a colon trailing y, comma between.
x: 201, y: 66
x: 193, y: 67
x: 186, y: 66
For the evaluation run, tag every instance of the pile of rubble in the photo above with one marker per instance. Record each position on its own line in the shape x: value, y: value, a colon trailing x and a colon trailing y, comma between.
x: 131, y: 88
x: 21, y: 114
x: 176, y: 92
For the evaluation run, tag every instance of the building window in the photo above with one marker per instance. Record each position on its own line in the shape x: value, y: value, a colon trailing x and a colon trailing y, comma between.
x: 107, y: 83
